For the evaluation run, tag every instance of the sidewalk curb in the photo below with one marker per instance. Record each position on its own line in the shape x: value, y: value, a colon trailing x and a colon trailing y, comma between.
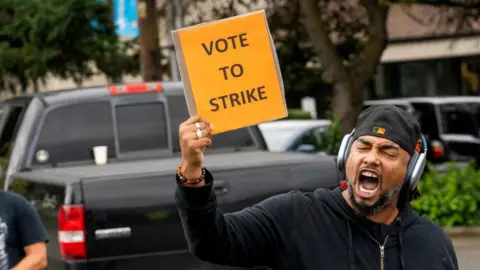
x: 462, y: 231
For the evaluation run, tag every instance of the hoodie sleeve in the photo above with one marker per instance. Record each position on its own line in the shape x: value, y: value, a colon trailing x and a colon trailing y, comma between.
x: 452, y: 262
x: 247, y: 238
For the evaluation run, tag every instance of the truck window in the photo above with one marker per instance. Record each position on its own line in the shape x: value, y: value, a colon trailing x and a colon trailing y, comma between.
x: 458, y: 120
x: 427, y: 118
x: 12, y: 115
x: 239, y: 138
x: 474, y: 109
x: 178, y: 112
x: 141, y: 127
x: 69, y: 133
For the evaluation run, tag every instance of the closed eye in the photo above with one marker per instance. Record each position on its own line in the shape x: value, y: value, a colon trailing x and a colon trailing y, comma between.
x: 391, y: 155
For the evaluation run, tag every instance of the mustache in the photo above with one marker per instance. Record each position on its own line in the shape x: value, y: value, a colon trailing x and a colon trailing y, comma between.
x: 369, y: 167
x: 375, y: 168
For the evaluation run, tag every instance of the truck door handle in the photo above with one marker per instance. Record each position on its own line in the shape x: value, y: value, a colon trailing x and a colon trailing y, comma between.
x: 220, y: 187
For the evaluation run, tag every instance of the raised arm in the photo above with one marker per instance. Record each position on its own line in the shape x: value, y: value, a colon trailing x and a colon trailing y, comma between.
x: 251, y: 237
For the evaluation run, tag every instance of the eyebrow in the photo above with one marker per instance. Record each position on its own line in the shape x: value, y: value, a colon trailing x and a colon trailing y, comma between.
x: 382, y: 147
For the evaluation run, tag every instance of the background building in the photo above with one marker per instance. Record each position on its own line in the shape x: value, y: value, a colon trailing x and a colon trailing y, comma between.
x: 427, y: 55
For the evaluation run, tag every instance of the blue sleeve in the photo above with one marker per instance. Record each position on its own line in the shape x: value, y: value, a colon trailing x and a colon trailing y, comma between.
x: 30, y: 229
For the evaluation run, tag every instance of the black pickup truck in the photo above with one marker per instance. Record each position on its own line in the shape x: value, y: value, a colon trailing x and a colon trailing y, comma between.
x: 122, y: 215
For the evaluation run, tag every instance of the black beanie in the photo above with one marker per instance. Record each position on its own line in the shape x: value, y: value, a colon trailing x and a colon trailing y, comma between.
x: 389, y: 122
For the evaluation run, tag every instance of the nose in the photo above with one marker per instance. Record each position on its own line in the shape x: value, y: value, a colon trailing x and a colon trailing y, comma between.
x: 371, y: 159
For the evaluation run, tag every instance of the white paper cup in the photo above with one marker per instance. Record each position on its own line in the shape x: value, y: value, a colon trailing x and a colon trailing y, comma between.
x: 100, y: 154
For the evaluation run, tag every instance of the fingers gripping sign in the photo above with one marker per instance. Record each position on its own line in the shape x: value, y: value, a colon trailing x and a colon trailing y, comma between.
x: 195, y: 136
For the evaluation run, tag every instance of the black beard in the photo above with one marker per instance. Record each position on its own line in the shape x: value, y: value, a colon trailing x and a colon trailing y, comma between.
x: 367, y: 210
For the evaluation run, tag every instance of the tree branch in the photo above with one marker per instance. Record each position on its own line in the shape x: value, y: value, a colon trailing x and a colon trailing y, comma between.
x: 334, y: 71
x: 420, y: 20
x: 365, y: 63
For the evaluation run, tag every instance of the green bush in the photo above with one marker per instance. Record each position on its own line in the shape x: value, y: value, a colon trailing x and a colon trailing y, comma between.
x: 298, y: 114
x: 451, y: 198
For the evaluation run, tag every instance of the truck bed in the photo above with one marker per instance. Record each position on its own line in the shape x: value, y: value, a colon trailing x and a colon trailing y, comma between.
x: 131, y: 221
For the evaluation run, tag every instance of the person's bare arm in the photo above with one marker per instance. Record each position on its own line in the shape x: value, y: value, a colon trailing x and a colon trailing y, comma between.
x: 35, y: 257
x: 31, y: 234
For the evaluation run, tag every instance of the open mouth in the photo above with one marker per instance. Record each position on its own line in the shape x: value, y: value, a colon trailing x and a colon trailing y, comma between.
x: 368, y: 183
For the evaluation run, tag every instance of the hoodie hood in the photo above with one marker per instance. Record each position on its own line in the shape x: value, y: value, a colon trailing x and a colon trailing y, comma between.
x: 389, y: 235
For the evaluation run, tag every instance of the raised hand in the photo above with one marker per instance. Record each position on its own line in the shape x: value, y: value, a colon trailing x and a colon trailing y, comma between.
x: 195, y: 136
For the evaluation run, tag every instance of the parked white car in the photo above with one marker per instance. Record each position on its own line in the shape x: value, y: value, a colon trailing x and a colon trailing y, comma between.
x: 292, y: 135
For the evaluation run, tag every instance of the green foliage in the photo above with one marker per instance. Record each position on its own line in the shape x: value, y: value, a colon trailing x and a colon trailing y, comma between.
x: 451, y: 198
x: 329, y: 141
x: 60, y: 38
x: 298, y: 114
x: 301, y: 72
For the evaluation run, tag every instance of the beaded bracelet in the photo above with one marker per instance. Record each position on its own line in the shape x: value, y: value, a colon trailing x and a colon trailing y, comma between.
x: 185, y: 180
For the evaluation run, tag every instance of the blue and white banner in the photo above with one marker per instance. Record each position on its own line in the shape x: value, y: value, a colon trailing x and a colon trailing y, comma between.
x: 125, y: 18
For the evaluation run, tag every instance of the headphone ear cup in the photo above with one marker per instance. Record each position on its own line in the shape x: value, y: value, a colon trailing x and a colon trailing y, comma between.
x: 342, y: 151
x: 416, y: 166
x: 417, y: 171
x: 411, y: 165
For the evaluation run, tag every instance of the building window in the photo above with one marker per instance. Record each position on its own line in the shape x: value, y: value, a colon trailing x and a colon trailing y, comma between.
x: 438, y: 77
x: 413, y: 79
x: 470, y: 75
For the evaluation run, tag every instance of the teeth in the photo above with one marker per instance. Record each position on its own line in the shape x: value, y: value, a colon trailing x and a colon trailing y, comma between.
x: 366, y: 191
x: 369, y: 174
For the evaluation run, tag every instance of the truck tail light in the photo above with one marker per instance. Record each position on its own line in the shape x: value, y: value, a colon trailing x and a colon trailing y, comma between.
x: 438, y: 151
x: 136, y: 88
x: 71, y: 232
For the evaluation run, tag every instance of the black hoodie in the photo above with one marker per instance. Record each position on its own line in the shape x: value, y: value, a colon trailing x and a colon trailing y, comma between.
x: 312, y: 230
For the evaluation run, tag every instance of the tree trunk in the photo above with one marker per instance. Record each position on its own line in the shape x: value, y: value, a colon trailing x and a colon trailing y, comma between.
x: 149, y: 40
x: 348, y: 82
x: 346, y: 104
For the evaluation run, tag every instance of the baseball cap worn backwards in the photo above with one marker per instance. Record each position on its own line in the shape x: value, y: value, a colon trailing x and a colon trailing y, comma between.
x: 389, y: 122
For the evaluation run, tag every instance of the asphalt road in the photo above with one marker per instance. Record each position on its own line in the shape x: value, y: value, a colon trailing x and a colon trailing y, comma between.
x: 468, y: 252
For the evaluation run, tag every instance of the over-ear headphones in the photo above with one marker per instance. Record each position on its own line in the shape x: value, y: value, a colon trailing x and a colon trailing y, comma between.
x: 416, y: 165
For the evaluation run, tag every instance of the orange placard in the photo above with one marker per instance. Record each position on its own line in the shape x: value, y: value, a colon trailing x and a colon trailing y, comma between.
x: 230, y: 71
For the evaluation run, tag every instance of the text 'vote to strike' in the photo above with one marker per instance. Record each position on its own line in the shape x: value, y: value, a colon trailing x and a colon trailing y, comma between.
x: 230, y: 71
x: 235, y: 70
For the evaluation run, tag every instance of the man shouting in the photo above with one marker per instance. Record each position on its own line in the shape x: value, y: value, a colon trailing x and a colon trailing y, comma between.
x: 370, y: 225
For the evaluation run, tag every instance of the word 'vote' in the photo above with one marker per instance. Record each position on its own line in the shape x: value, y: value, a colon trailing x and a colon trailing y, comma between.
x: 223, y: 44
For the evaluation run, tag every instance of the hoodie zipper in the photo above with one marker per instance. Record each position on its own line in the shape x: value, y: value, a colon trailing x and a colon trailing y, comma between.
x: 382, y: 251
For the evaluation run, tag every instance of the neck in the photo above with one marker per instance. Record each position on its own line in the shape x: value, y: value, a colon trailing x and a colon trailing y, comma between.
x: 386, y: 216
